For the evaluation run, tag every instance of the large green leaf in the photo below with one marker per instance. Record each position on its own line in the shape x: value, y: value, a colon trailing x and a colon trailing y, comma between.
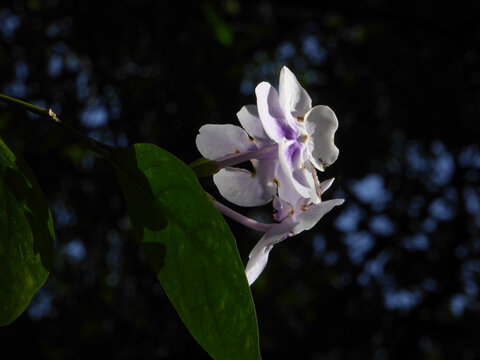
x: 191, y: 250
x: 26, y: 236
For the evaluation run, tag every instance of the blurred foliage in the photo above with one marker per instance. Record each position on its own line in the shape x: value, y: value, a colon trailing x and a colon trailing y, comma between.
x: 393, y: 274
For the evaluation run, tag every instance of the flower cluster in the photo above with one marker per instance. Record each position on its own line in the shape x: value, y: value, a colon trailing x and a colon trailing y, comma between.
x: 286, y: 140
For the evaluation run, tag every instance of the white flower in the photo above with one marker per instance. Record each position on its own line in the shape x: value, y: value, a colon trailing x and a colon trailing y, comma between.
x: 283, y: 135
x: 286, y: 140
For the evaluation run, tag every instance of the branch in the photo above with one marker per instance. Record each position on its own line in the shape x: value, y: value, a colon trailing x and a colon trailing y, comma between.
x: 94, y: 145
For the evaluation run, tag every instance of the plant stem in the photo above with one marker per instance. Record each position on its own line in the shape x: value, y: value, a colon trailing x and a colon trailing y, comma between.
x: 95, y: 146
x: 242, y: 219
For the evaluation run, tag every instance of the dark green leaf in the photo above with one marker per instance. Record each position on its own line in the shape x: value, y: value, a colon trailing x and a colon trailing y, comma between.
x: 204, y: 167
x: 191, y: 249
x: 26, y: 236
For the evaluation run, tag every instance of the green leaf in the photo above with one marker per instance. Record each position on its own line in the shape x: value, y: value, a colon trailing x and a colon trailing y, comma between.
x: 204, y: 167
x: 26, y: 236
x: 191, y: 250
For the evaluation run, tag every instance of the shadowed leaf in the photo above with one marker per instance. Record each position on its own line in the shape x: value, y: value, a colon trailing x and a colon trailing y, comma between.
x: 26, y: 236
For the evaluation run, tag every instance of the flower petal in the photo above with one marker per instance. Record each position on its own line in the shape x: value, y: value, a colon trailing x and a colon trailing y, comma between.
x: 321, y: 124
x: 282, y: 209
x: 325, y: 185
x: 245, y: 188
x: 250, y: 121
x: 256, y: 264
x: 310, y: 215
x: 271, y: 114
x: 293, y: 97
x: 289, y: 155
x: 276, y: 234
x: 311, y: 180
x: 215, y: 141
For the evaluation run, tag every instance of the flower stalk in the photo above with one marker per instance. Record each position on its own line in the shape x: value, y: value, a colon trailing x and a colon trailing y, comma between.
x: 242, y: 219
x: 267, y: 152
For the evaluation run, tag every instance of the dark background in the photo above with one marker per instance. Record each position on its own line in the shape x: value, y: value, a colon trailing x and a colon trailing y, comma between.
x: 392, y: 274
